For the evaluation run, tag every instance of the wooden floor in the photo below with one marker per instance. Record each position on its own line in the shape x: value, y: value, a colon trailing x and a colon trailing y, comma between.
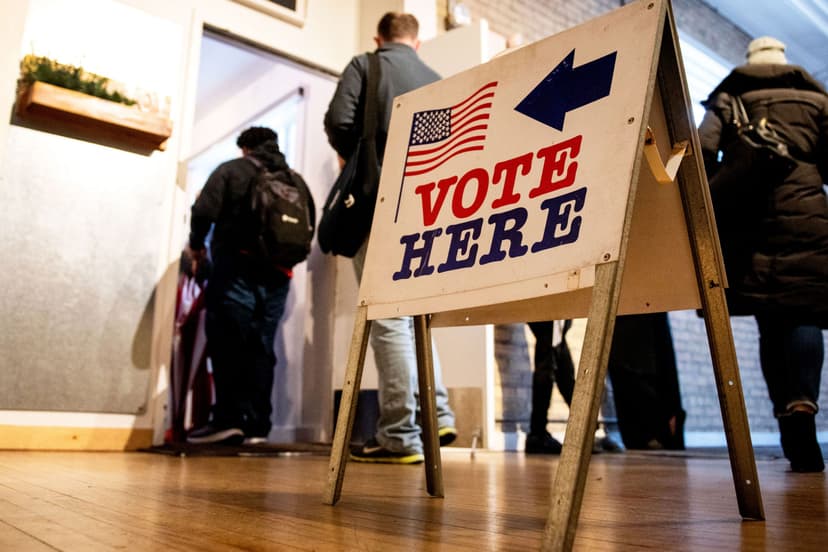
x: 496, y: 501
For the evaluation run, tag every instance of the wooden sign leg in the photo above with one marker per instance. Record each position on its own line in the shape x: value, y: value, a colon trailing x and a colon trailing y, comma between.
x: 698, y: 213
x: 428, y: 406
x: 720, y: 336
x: 347, y: 406
x: 570, y: 477
x: 732, y: 404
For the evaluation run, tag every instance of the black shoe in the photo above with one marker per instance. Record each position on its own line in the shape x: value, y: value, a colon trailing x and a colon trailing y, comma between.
x: 255, y: 440
x: 799, y: 443
x: 447, y: 435
x: 372, y: 452
x: 215, y: 434
x: 542, y: 443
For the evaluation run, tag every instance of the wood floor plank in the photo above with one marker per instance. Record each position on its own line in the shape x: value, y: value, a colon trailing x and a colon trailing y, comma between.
x: 13, y: 538
x: 496, y: 501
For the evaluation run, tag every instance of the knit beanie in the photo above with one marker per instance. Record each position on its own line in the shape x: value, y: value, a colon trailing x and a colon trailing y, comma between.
x: 766, y: 50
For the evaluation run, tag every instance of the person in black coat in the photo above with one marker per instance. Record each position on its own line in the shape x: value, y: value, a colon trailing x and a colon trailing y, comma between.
x: 772, y: 217
x: 245, y: 296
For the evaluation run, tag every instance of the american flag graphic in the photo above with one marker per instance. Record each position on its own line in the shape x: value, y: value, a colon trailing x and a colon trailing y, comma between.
x: 438, y: 135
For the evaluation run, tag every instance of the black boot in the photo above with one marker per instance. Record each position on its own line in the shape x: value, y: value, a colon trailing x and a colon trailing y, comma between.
x: 542, y: 443
x: 799, y: 442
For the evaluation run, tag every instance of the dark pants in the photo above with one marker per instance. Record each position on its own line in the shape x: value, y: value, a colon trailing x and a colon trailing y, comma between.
x: 552, y: 363
x: 243, y: 312
x: 791, y: 356
x: 642, y: 369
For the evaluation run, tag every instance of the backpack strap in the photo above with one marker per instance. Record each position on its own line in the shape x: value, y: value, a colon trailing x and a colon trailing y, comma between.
x: 300, y: 184
x: 369, y: 115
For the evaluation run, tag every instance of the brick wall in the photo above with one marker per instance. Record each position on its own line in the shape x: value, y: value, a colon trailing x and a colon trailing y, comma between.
x: 704, y: 24
x: 698, y: 388
x: 536, y: 19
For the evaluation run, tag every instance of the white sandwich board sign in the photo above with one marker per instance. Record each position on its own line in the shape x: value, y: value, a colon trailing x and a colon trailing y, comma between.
x: 510, y: 181
x: 518, y: 190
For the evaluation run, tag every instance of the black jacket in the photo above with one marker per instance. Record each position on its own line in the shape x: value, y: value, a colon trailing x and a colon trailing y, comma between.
x: 773, y: 228
x: 401, y: 71
x: 225, y: 202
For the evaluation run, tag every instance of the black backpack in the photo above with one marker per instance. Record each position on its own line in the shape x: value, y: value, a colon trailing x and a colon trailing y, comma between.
x: 284, y: 218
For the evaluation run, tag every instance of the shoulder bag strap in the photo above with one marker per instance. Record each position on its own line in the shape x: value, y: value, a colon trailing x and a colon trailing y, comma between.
x: 369, y: 123
x: 740, y: 116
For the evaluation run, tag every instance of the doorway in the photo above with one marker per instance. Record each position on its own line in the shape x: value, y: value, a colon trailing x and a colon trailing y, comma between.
x: 240, y: 86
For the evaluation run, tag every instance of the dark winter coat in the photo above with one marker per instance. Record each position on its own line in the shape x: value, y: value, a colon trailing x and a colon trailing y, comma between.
x: 401, y: 71
x: 225, y: 202
x: 773, y: 226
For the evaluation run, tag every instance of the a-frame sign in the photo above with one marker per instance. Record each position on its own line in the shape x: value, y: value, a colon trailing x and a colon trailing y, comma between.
x: 532, y: 188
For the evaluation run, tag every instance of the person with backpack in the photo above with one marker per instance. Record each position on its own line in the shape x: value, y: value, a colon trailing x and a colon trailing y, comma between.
x: 262, y: 217
x: 764, y: 139
x: 398, y: 437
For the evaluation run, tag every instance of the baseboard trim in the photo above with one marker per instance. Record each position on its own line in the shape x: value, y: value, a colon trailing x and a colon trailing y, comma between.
x: 73, y: 438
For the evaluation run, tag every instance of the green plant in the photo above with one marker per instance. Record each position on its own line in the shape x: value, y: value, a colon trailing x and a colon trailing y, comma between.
x: 39, y: 68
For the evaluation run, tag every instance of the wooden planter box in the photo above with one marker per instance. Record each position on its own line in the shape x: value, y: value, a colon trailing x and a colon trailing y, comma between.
x: 96, y: 117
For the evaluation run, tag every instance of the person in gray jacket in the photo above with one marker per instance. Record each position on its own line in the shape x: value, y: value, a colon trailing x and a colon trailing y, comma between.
x: 772, y: 217
x: 398, y: 437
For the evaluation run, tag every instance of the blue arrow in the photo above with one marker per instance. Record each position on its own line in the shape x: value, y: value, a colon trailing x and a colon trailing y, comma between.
x: 567, y: 88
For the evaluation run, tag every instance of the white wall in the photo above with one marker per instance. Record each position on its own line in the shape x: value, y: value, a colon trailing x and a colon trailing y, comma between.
x: 328, y: 39
x: 54, y: 166
x: 90, y: 223
x: 11, y: 33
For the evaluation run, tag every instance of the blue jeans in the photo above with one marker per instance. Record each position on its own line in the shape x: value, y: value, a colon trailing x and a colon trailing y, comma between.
x: 243, y: 312
x: 791, y: 356
x: 394, y: 353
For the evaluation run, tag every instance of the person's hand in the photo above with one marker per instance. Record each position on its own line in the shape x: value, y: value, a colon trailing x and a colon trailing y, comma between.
x: 196, y: 257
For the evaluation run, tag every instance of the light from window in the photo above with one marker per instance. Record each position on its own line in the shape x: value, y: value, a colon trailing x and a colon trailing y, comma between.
x: 704, y: 70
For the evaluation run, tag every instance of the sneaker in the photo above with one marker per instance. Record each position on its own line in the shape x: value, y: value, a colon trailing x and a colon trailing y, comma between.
x: 606, y: 444
x: 447, y: 435
x: 542, y: 444
x: 372, y: 452
x: 213, y: 434
x: 254, y: 440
